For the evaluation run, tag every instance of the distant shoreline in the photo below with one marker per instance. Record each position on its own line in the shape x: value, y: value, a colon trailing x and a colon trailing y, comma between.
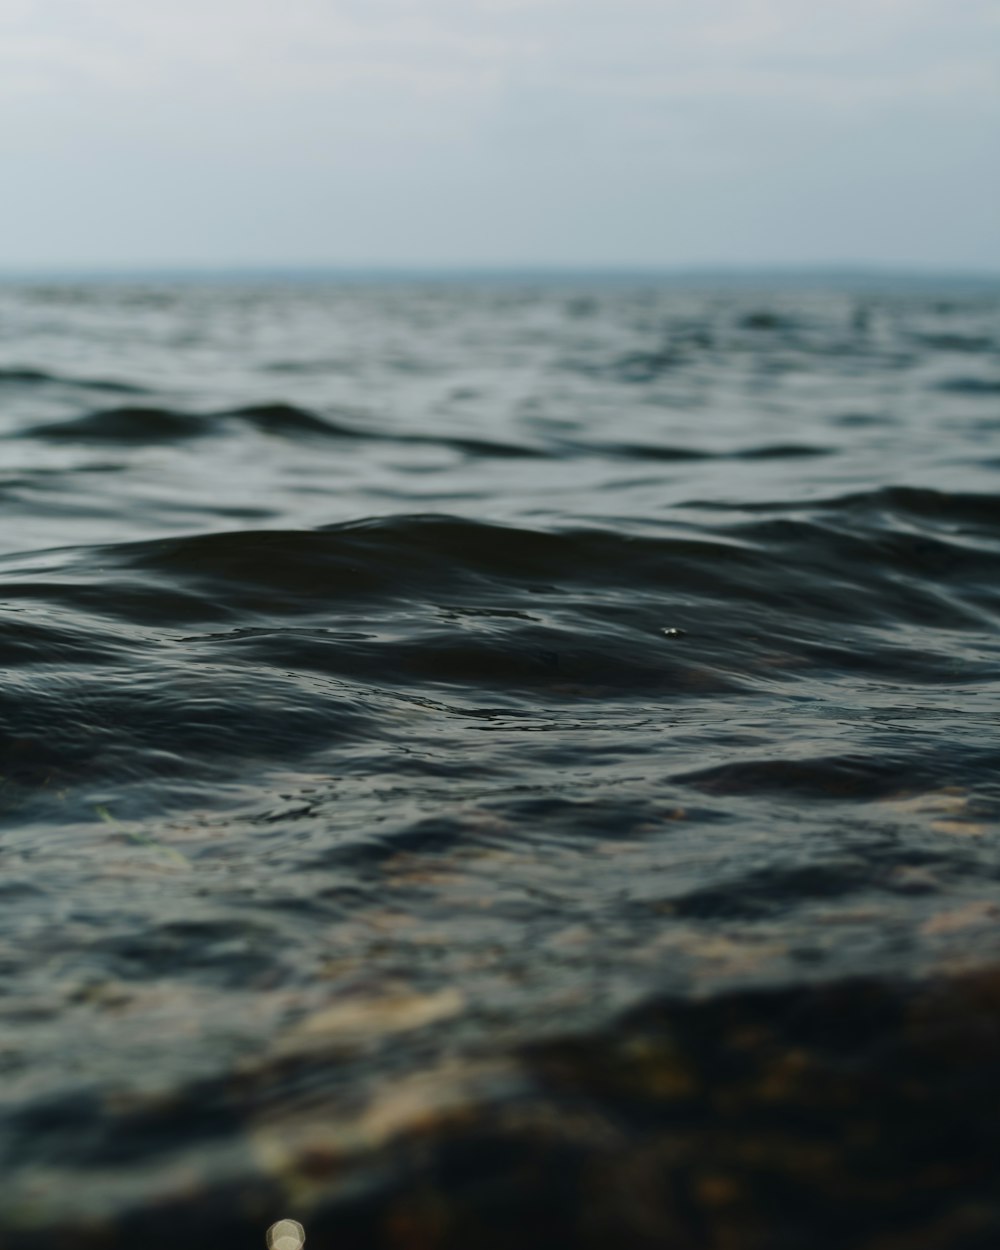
x: 847, y: 277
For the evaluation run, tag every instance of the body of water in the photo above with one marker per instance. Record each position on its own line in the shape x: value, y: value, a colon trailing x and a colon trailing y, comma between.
x: 499, y: 763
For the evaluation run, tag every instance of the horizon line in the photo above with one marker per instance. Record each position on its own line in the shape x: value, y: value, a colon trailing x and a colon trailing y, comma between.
x: 321, y: 269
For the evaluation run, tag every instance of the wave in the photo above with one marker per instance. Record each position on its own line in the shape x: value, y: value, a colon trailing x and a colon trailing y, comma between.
x: 651, y: 451
x: 887, y: 506
x: 970, y: 386
x: 123, y: 425
x: 150, y: 425
x: 26, y: 376
x: 176, y: 661
x: 971, y: 343
x: 868, y: 540
x: 287, y: 420
x: 140, y: 425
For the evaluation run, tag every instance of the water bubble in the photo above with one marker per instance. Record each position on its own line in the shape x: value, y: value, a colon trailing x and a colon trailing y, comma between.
x: 286, y: 1235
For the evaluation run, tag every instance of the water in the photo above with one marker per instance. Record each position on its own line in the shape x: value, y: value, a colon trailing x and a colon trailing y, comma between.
x: 500, y: 761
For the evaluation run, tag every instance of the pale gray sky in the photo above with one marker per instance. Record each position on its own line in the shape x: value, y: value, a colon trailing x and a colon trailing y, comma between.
x: 522, y: 132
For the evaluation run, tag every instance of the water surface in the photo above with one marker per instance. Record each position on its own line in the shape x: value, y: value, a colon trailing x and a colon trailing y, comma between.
x: 440, y: 720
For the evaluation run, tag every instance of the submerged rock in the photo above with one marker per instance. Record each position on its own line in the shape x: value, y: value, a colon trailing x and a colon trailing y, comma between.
x: 859, y: 1115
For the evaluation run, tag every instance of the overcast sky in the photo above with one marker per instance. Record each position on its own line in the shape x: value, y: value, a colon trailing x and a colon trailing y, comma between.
x: 500, y: 132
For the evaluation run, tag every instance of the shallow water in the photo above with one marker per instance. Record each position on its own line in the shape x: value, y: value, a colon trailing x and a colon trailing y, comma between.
x: 404, y: 682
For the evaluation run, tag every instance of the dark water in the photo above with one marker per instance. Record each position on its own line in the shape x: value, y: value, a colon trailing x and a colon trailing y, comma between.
x: 499, y: 764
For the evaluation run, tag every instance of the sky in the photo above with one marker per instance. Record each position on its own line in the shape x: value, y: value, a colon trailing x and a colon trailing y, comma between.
x: 500, y: 133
